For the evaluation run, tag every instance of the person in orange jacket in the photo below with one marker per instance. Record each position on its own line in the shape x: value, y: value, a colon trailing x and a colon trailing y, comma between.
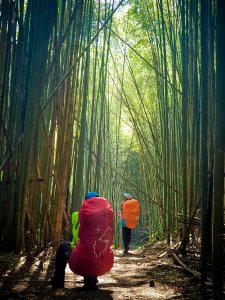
x: 128, y: 219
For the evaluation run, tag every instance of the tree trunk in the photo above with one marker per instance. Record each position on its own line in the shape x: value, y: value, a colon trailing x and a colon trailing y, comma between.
x: 219, y: 146
x: 204, y: 128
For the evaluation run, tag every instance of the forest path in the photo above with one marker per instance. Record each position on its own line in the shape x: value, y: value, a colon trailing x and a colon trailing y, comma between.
x: 130, y: 278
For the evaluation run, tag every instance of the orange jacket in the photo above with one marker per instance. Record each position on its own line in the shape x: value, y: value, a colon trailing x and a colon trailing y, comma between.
x: 131, y: 212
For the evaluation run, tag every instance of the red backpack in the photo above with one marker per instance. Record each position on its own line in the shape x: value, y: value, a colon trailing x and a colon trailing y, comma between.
x: 93, y: 255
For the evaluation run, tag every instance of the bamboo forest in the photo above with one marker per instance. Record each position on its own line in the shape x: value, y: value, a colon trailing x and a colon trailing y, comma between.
x: 116, y: 98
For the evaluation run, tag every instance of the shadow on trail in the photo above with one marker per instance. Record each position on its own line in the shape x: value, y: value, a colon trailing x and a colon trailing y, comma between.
x: 96, y: 294
x: 78, y: 293
x: 25, y: 276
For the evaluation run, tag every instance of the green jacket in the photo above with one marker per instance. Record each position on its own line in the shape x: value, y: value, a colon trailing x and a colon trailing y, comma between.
x: 75, y: 228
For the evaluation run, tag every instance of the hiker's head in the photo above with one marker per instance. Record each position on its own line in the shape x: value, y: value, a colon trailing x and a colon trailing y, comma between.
x: 91, y: 195
x: 127, y: 196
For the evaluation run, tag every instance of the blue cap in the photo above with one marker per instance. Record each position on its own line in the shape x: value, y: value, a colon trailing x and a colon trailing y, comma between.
x: 127, y: 195
x: 91, y: 195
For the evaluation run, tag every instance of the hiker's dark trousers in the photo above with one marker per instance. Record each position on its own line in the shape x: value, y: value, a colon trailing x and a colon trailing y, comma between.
x: 126, y: 233
x: 61, y: 260
x: 62, y: 257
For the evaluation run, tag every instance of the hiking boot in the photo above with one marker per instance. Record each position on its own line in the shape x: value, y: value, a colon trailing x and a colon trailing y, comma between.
x: 56, y: 283
x: 90, y: 287
x: 126, y: 250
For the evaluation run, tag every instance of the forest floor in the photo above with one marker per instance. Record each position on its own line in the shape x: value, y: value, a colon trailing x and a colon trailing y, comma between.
x: 148, y: 273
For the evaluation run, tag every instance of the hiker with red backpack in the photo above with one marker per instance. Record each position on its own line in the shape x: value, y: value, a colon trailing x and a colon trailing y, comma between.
x: 129, y: 214
x: 92, y: 256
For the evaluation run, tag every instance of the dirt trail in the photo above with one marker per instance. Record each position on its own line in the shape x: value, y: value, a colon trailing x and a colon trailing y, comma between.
x: 129, y: 279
